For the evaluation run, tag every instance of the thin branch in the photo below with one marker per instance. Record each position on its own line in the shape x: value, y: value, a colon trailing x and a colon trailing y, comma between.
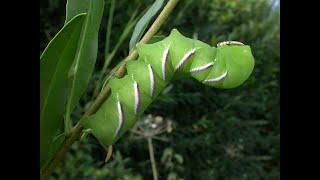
x: 137, y: 132
x: 75, y: 134
x: 152, y: 31
x: 153, y: 162
x: 76, y: 131
x: 109, y: 25
x: 164, y: 139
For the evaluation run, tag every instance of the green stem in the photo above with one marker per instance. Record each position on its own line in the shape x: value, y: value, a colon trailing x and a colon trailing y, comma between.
x: 153, y: 162
x: 109, y: 25
x: 75, y: 134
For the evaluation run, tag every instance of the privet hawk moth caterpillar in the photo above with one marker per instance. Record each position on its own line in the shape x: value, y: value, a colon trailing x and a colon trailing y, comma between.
x: 226, y: 67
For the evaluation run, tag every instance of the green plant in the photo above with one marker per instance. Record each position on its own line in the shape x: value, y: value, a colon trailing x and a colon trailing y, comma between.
x: 79, y: 75
x: 220, y: 122
x: 55, y: 63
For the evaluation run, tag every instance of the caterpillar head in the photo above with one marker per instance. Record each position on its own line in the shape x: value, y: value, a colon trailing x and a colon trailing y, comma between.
x: 233, y: 65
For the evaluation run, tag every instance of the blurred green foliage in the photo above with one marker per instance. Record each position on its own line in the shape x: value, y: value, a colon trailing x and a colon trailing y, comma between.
x: 218, y: 134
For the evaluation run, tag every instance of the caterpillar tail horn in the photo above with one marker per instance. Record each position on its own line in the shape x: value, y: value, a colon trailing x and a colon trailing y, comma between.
x: 109, y: 154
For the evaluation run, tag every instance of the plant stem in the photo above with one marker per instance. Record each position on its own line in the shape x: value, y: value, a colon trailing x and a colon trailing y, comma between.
x: 75, y: 134
x: 76, y: 131
x: 153, y: 162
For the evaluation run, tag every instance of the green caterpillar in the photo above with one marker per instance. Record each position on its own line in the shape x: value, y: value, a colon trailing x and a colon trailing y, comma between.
x: 225, y: 67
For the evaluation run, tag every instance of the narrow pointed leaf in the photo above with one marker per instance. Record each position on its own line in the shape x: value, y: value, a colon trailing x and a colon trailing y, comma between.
x: 143, y: 23
x: 55, y: 63
x: 86, y: 55
x: 109, y: 28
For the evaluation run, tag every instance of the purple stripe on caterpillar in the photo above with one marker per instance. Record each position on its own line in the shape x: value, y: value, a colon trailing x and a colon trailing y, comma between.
x: 137, y: 97
x: 228, y: 43
x: 185, y: 59
x: 217, y: 79
x: 152, y: 80
x: 202, y: 68
x: 121, y: 117
x: 165, y: 57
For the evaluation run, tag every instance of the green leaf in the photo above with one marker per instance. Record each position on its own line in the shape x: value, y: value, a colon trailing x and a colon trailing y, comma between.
x: 86, y: 55
x: 109, y: 28
x: 143, y: 23
x: 75, y: 7
x: 55, y: 62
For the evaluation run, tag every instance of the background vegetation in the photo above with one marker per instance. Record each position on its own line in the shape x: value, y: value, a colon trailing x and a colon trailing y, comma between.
x: 217, y: 134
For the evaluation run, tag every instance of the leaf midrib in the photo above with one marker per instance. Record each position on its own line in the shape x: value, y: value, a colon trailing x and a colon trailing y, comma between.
x: 45, y: 103
x: 79, y: 52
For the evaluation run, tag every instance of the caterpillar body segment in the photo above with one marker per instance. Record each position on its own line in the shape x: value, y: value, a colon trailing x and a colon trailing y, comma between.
x: 237, y: 61
x: 226, y: 66
x: 206, y: 54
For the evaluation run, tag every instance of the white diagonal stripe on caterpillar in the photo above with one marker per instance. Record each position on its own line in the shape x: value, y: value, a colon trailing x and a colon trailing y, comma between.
x: 185, y: 58
x: 121, y: 117
x: 137, y: 97
x: 227, y: 43
x: 164, y: 61
x: 217, y: 79
x: 202, y: 68
x: 152, y: 80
